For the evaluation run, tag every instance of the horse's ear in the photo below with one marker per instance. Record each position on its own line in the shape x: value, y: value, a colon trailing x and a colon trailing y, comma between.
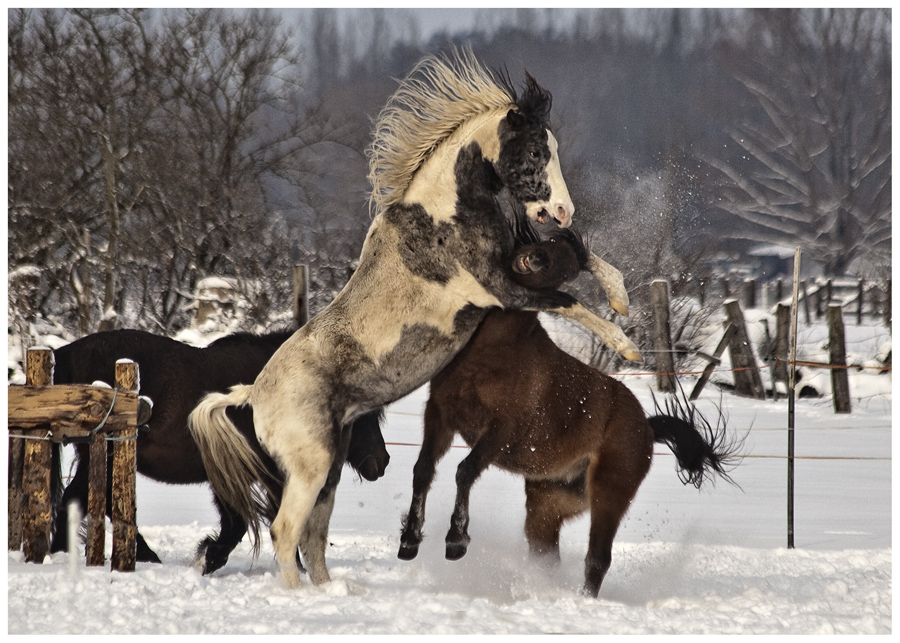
x: 515, y: 119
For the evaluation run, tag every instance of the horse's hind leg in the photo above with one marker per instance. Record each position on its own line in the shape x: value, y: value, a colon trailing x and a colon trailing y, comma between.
x: 314, y: 536
x: 213, y: 551
x: 548, y: 504
x: 300, y: 492
x: 613, y: 480
x: 435, y: 444
x: 76, y: 491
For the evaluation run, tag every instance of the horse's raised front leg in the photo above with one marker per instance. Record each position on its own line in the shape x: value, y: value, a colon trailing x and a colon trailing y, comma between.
x: 435, y: 444
x: 609, y: 333
x: 482, y: 455
x: 611, y: 280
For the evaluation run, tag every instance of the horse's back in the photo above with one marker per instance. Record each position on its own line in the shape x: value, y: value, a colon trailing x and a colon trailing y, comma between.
x: 93, y: 357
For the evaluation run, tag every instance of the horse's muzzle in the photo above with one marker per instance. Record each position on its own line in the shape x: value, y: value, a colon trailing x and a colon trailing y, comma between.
x: 560, y: 212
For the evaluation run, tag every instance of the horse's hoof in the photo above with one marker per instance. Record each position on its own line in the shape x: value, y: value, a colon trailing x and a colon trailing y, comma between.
x: 590, y: 591
x: 407, y: 552
x: 455, y: 551
x: 146, y: 556
x: 619, y: 306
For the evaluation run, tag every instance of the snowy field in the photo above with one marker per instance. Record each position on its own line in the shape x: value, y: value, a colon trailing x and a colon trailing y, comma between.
x: 685, y: 561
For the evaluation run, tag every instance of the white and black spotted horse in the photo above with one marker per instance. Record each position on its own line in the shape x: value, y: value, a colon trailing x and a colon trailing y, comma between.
x: 436, y: 257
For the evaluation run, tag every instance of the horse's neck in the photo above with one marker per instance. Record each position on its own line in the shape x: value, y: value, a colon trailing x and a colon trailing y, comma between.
x: 434, y: 185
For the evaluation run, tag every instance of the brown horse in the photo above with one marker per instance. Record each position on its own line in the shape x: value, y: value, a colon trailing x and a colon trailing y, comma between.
x: 580, y: 438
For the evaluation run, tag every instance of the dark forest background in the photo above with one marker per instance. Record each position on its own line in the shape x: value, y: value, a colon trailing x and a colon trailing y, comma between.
x: 150, y: 149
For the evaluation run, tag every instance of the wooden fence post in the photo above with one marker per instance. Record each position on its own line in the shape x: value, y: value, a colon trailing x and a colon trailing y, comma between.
x: 36, y: 467
x: 662, y: 336
x: 805, y: 301
x: 746, y: 375
x: 860, y: 290
x: 301, y: 296
x: 14, y: 495
x: 840, y: 385
x: 95, y: 542
x: 749, y: 293
x: 782, y: 342
x: 124, y: 506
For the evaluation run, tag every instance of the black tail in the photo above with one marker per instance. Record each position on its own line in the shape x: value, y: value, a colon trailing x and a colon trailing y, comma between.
x: 699, y: 448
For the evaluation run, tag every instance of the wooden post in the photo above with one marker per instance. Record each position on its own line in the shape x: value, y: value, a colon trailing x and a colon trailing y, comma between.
x: 840, y: 385
x: 817, y: 300
x: 36, y: 467
x: 749, y: 293
x: 95, y: 543
x: 860, y: 294
x: 782, y: 342
x: 301, y: 296
x: 805, y: 301
x: 662, y: 336
x: 14, y: 493
x: 124, y: 506
x: 746, y: 376
x: 779, y: 289
x: 887, y: 305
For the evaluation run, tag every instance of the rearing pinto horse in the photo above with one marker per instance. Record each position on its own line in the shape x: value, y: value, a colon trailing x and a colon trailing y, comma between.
x: 436, y: 257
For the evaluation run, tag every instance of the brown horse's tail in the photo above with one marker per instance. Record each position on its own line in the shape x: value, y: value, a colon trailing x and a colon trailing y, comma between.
x: 699, y: 448
x: 235, y: 471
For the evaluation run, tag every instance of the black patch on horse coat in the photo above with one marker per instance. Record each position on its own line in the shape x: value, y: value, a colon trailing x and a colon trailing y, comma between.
x: 425, y: 248
x: 524, y: 154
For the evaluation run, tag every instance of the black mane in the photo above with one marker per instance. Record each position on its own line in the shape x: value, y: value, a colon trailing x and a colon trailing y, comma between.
x: 535, y: 101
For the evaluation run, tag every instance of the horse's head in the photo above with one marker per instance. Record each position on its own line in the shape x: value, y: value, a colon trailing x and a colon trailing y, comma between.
x: 528, y: 163
x: 550, y: 263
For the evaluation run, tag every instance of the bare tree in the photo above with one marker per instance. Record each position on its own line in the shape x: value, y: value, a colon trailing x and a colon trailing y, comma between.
x: 81, y: 98
x: 816, y: 163
x: 142, y: 150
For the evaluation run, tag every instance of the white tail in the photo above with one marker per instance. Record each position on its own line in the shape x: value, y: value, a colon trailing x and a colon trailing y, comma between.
x: 235, y: 471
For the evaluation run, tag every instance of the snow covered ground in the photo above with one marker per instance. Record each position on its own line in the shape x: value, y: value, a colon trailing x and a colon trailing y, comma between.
x: 684, y: 562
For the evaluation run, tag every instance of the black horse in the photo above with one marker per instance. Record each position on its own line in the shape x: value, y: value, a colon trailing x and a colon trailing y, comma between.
x: 175, y: 376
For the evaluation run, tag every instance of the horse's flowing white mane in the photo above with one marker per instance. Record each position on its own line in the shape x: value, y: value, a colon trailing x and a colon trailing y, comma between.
x: 434, y: 100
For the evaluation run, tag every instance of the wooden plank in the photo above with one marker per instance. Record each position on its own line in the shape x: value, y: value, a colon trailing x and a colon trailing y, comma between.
x: 124, y: 474
x: 71, y: 408
x: 707, y: 372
